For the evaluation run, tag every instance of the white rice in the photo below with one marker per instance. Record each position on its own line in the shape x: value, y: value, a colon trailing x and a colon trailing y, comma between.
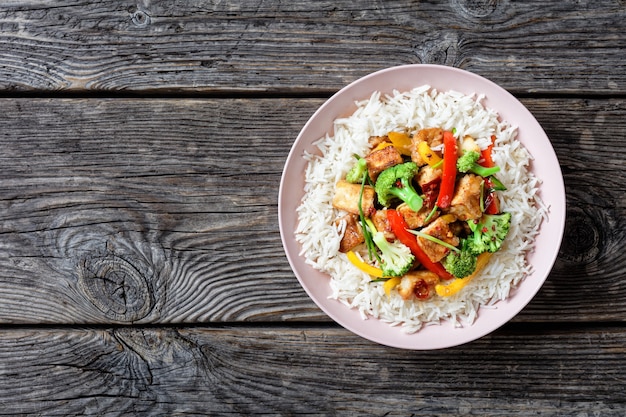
x: 419, y: 108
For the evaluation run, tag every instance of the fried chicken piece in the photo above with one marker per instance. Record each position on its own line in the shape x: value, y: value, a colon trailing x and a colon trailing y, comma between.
x: 379, y: 218
x: 347, y: 198
x: 427, y: 175
x: 433, y: 136
x: 380, y: 160
x: 417, y: 283
x: 352, y: 236
x: 415, y: 219
x: 374, y: 141
x: 465, y: 204
x: 440, y: 229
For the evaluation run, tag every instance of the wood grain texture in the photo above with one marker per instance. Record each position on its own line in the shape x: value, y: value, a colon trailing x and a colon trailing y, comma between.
x: 141, y: 267
x: 590, y: 266
x: 163, y: 211
x: 300, y: 46
x: 312, y: 371
x: 133, y: 210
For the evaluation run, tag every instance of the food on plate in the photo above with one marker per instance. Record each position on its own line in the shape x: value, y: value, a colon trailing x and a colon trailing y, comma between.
x: 421, y: 207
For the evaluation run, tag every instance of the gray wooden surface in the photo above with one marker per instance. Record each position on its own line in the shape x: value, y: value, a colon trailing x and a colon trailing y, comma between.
x: 141, y: 268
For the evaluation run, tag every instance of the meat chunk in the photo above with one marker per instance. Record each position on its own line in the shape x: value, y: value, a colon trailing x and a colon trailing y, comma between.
x: 433, y: 136
x: 429, y: 180
x: 427, y: 175
x: 417, y: 283
x: 465, y: 204
x: 374, y: 141
x: 379, y: 218
x: 352, y: 236
x: 415, y: 219
x: 440, y: 228
x: 347, y: 198
x: 380, y: 160
x: 469, y: 144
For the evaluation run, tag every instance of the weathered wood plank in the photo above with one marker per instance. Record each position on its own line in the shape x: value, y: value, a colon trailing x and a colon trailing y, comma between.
x: 137, y: 210
x: 590, y: 265
x: 320, y: 371
x: 303, y: 46
x: 116, y: 211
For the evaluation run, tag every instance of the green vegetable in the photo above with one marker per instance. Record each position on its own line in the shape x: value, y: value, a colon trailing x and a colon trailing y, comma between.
x: 462, y: 263
x: 367, y: 235
x: 358, y: 172
x: 396, y: 258
x: 431, y: 214
x: 396, y: 182
x: 467, y: 163
x: 433, y: 239
x: 488, y: 232
x: 496, y: 184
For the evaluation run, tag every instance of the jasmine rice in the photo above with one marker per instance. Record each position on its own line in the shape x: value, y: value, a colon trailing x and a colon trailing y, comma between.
x: 422, y: 107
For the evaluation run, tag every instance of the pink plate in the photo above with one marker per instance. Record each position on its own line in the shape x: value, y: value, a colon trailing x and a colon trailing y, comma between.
x: 545, y: 166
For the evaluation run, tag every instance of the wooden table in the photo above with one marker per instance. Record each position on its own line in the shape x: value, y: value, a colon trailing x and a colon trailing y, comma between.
x: 141, y: 267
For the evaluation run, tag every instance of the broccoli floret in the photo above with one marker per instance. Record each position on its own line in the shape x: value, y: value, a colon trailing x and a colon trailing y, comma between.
x: 489, y: 232
x: 358, y: 171
x: 396, y: 258
x: 461, y: 263
x: 397, y: 182
x: 467, y: 163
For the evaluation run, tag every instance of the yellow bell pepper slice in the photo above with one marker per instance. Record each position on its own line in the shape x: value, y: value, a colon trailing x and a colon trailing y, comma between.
x: 459, y: 283
x: 428, y: 155
x: 401, y: 141
x: 382, y: 145
x: 365, y: 267
x: 390, y: 284
x: 448, y: 218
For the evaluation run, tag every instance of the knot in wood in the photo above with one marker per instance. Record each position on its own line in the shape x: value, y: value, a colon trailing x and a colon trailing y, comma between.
x: 477, y: 8
x: 116, y: 288
x: 440, y: 48
x: 139, y: 18
x: 582, y: 238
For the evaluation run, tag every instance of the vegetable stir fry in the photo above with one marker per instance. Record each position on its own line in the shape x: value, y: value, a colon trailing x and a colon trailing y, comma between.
x: 422, y: 212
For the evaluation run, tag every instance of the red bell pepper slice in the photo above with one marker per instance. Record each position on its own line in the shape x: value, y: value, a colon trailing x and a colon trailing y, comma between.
x: 431, y: 192
x: 491, y: 200
x: 492, y: 207
x: 399, y: 228
x: 448, y: 175
x: 485, y: 155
